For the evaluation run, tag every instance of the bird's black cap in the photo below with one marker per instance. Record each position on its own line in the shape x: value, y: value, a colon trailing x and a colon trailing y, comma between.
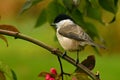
x: 62, y: 17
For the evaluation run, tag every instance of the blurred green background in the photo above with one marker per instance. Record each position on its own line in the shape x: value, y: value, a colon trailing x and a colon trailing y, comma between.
x: 28, y: 60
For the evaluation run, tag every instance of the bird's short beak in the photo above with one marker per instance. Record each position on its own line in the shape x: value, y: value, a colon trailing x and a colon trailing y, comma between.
x: 53, y: 24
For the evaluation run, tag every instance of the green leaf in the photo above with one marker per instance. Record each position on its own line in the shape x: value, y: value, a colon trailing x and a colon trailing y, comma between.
x: 94, y: 13
x: 82, y: 6
x: 88, y: 27
x: 28, y: 4
x: 68, y: 4
x: 90, y: 9
x: 7, y: 71
x: 97, y: 51
x: 109, y: 5
x: 41, y: 19
x: 115, y: 2
x: 80, y: 76
x: 14, y: 75
x: 53, y: 9
x: 78, y: 17
x: 94, y: 3
x: 91, y: 30
x: 113, y: 20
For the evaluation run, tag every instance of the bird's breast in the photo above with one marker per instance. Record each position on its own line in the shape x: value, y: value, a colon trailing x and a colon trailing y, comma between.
x: 67, y: 43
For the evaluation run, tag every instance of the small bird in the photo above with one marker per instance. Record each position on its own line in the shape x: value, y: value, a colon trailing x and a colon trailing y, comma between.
x: 70, y: 35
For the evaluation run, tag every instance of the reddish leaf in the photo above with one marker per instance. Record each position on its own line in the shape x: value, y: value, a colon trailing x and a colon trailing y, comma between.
x: 89, y: 62
x: 43, y: 74
x: 9, y: 28
x: 2, y: 76
x: 4, y: 39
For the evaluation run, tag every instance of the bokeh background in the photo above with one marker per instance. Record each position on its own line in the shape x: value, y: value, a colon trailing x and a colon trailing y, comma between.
x: 28, y: 60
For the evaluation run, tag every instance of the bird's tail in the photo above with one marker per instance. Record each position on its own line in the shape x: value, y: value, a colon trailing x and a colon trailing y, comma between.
x: 98, y: 46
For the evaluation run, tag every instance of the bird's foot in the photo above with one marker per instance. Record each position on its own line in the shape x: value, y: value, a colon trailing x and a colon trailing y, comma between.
x: 64, y: 54
x: 77, y: 61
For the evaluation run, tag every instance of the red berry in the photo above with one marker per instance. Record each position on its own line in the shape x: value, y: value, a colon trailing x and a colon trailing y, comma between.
x: 53, y: 71
x: 51, y: 79
x: 47, y: 77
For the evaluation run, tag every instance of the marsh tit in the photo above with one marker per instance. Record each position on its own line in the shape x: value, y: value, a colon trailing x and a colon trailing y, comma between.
x: 70, y: 35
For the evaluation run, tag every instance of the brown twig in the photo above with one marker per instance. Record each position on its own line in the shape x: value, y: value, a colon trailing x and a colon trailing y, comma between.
x: 49, y: 48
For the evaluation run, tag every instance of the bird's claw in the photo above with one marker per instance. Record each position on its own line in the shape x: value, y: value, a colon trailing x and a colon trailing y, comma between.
x: 64, y: 54
x: 77, y: 61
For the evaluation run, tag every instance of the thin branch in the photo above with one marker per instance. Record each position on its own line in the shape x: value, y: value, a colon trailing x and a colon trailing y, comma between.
x: 61, y: 67
x: 49, y: 48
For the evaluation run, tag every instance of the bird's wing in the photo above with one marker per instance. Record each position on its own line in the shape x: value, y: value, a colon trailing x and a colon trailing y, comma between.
x: 74, y: 32
x: 77, y: 33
